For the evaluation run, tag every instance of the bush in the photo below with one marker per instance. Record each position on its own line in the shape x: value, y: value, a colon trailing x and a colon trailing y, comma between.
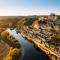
x: 8, y: 58
x: 1, y: 30
x: 17, y: 44
x: 55, y: 37
x: 4, y: 33
x: 14, y: 54
x: 9, y: 37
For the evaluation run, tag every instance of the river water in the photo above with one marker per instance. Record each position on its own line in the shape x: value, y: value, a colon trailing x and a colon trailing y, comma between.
x: 29, y: 52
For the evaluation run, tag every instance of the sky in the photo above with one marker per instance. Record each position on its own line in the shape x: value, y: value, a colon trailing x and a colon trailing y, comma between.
x: 29, y: 7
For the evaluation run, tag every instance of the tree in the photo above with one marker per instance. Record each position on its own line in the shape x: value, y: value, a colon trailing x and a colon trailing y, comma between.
x: 21, y: 22
x: 4, y: 34
x: 14, y: 54
x: 55, y: 39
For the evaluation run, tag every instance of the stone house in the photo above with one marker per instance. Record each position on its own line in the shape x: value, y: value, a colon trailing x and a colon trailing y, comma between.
x: 52, y: 17
x: 57, y: 26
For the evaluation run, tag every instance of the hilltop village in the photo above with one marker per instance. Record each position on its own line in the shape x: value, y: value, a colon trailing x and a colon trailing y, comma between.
x: 45, y: 33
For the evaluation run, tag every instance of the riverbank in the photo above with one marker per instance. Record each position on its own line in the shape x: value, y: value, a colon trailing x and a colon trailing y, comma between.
x: 29, y: 52
x: 41, y: 46
x: 14, y: 51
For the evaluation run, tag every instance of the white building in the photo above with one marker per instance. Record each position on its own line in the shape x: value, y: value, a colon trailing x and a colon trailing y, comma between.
x: 52, y: 17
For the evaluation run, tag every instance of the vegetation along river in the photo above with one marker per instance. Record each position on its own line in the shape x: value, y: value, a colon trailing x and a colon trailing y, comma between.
x: 29, y: 52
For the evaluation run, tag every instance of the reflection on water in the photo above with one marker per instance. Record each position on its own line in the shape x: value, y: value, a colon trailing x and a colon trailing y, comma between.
x: 29, y: 52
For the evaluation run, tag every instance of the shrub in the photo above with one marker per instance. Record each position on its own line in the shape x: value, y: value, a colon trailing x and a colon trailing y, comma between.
x: 4, y: 34
x: 55, y: 36
x: 14, y: 54
x: 8, y: 58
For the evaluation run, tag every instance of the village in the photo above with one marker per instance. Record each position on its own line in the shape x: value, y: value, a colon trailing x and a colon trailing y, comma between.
x: 42, y: 33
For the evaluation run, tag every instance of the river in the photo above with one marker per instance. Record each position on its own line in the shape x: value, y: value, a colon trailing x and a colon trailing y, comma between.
x: 29, y: 52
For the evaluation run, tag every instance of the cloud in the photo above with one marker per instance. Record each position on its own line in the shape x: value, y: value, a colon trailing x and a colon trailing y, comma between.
x: 18, y: 12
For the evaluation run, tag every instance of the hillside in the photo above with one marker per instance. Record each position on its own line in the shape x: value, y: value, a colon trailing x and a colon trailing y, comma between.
x: 4, y: 49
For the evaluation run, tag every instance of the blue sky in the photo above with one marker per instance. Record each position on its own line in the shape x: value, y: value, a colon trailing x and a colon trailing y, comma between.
x: 29, y: 7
